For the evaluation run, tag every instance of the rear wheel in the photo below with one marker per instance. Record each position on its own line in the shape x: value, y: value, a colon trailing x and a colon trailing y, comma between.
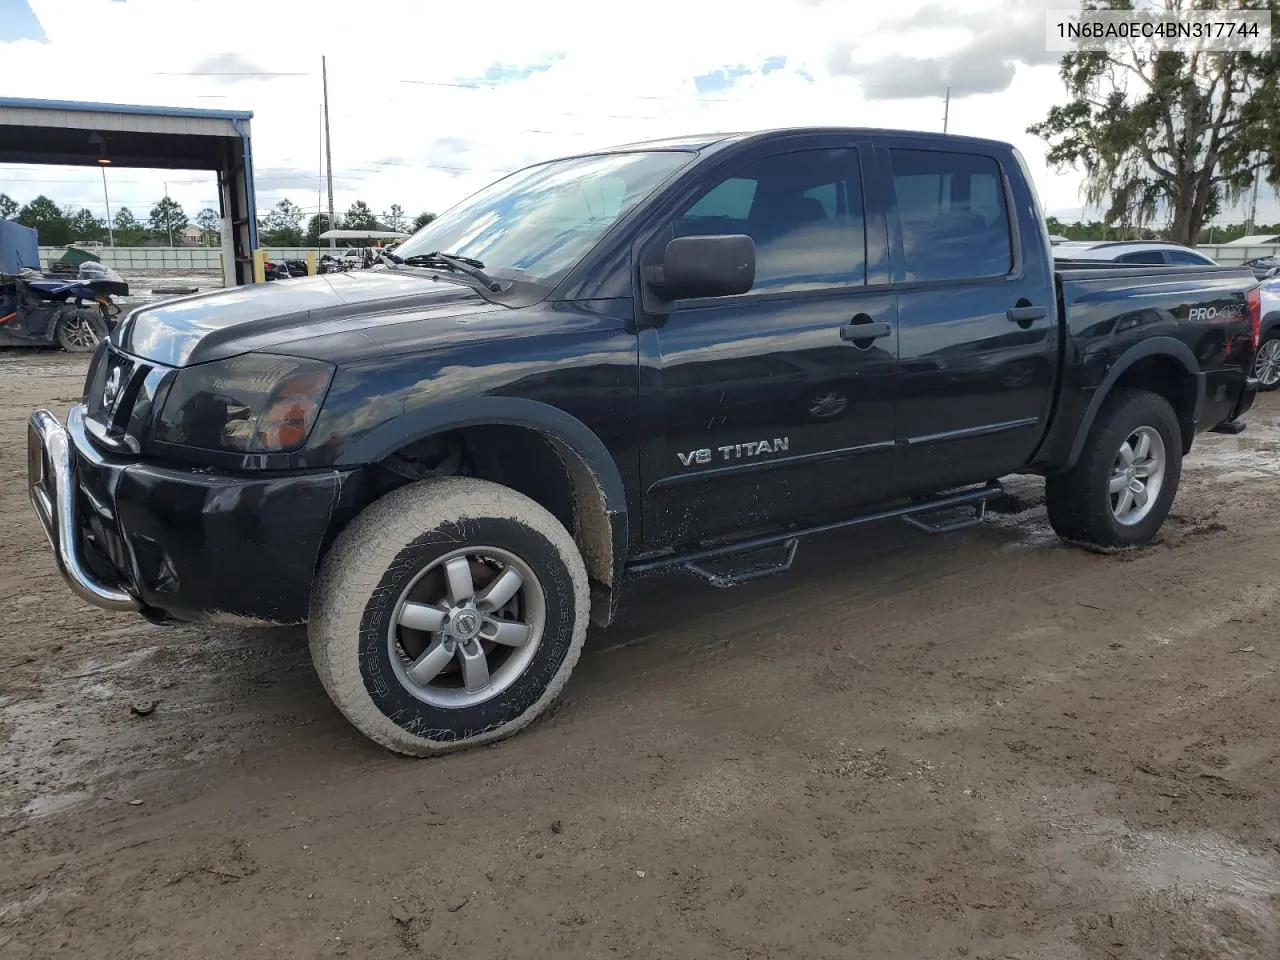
x: 450, y: 613
x: 80, y: 331
x: 1267, y: 365
x: 1123, y: 486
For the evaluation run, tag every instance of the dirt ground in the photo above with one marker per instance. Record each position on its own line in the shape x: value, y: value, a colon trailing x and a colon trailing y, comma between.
x: 982, y: 745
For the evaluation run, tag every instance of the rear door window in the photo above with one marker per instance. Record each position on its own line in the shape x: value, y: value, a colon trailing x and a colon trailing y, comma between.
x: 1187, y: 257
x: 1142, y: 256
x: 952, y: 215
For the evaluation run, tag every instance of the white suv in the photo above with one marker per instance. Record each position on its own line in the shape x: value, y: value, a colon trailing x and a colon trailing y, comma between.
x: 1154, y: 252
x: 1267, y: 366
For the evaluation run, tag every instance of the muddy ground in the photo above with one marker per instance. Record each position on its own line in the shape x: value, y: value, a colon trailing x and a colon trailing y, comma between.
x: 984, y: 745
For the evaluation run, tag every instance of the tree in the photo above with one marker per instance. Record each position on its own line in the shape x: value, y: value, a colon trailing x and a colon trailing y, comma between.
x: 316, y: 225
x: 85, y: 226
x: 422, y: 219
x: 395, y: 217
x: 210, y: 225
x: 129, y: 231
x: 1215, y: 233
x: 49, y: 223
x: 359, y: 217
x: 282, y: 226
x: 8, y: 207
x: 1167, y: 133
x: 167, y: 219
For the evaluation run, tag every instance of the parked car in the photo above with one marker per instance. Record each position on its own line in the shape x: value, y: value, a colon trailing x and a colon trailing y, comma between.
x: 1151, y: 252
x: 1264, y: 267
x: 1267, y: 365
x: 686, y: 355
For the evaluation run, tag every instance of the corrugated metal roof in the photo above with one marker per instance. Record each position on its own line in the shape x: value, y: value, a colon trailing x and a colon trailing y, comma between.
x: 1255, y: 240
x: 147, y: 111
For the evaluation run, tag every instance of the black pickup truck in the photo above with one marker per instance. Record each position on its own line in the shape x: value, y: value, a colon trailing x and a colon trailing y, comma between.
x: 676, y: 355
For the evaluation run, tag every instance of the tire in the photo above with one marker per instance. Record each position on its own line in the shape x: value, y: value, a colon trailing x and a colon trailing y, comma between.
x: 406, y: 546
x: 1081, y: 504
x: 1267, y: 365
x: 80, y: 331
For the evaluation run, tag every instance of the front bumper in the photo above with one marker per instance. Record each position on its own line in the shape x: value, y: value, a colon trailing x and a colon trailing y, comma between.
x: 178, y: 543
x: 51, y: 481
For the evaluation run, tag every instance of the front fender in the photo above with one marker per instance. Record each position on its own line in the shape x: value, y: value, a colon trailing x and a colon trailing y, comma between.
x: 1270, y: 322
x: 569, y: 435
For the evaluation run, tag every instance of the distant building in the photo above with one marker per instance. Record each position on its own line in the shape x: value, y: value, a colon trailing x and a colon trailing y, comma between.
x: 1255, y: 240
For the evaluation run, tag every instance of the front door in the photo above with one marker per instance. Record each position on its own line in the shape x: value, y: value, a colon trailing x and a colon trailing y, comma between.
x: 767, y: 412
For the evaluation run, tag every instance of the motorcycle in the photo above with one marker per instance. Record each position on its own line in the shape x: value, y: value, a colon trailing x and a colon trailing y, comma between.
x: 38, y: 311
x: 332, y: 264
x: 284, y: 269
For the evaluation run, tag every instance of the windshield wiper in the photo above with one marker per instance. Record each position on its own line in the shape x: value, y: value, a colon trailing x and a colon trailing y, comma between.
x: 471, y: 267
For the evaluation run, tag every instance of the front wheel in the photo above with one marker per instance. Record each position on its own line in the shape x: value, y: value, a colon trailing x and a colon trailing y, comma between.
x: 1123, y: 486
x: 80, y: 331
x: 1267, y: 366
x: 449, y: 614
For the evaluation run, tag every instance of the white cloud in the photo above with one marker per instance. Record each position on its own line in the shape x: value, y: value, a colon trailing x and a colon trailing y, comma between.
x: 407, y: 129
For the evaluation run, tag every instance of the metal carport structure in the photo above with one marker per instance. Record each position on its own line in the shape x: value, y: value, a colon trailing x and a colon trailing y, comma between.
x: 70, y: 133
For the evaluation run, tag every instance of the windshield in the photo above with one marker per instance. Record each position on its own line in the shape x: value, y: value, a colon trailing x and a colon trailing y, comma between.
x: 537, y: 223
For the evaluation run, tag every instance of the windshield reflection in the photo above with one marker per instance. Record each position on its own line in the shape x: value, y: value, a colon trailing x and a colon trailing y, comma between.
x: 535, y: 224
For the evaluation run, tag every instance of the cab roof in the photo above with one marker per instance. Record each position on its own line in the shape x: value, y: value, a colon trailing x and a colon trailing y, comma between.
x: 702, y: 141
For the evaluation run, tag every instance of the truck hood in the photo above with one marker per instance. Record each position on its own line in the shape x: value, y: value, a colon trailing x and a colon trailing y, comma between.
x: 223, y: 323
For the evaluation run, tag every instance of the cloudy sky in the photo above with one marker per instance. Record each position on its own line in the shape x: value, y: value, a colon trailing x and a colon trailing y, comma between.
x: 431, y: 101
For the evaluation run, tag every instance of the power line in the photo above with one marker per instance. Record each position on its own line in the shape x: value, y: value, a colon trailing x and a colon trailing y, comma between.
x: 228, y: 73
x: 625, y: 96
x: 477, y: 85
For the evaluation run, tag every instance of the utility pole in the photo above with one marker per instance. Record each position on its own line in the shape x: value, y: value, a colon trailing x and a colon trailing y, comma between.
x: 946, y: 110
x: 328, y: 155
x: 320, y: 180
x: 1253, y: 203
x: 168, y: 214
x: 111, y: 232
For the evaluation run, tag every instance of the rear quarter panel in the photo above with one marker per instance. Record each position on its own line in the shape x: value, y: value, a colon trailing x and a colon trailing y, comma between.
x: 1112, y: 315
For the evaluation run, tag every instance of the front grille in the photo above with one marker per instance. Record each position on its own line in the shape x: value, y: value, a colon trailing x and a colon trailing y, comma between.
x: 122, y: 397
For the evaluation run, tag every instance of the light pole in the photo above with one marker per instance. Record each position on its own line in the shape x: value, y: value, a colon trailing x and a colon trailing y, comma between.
x: 168, y: 214
x: 111, y: 233
x: 328, y: 155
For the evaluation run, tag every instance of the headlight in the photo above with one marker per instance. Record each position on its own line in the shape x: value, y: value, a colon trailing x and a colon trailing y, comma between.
x: 255, y: 403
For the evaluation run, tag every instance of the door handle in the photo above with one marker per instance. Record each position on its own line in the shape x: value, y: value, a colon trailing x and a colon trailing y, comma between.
x: 1027, y: 314
x: 864, y: 331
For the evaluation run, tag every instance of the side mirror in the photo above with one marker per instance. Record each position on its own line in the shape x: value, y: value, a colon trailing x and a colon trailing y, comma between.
x: 716, y: 266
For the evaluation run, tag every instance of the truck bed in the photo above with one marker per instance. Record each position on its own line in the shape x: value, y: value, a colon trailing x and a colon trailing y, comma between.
x: 1199, y: 314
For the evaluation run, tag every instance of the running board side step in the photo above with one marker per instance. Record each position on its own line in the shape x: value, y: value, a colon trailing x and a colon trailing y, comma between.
x: 922, y: 521
x: 1230, y: 427
x: 741, y: 568
x: 773, y: 553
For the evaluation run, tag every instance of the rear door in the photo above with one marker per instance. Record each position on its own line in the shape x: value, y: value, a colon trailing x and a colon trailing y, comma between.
x: 976, y: 335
